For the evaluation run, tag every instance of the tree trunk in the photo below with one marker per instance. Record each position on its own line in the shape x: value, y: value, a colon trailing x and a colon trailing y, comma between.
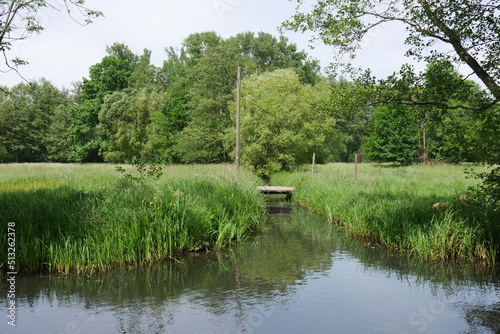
x: 454, y: 40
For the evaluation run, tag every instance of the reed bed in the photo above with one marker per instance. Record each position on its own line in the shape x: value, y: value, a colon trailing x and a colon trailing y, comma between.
x: 89, y: 218
x: 418, y: 209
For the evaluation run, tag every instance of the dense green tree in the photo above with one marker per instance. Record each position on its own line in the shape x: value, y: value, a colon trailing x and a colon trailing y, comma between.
x: 443, y: 103
x: 202, y: 79
x: 4, y: 154
x: 110, y: 75
x: 113, y: 128
x: 197, y: 45
x: 481, y: 138
x: 283, y: 122
x: 83, y: 122
x: 393, y: 135
x: 27, y: 112
x: 449, y: 122
x: 124, y: 122
x: 214, y: 78
x: 144, y: 74
x: 266, y: 53
x: 173, y: 117
x: 119, y: 69
x: 351, y: 108
x: 15, y: 119
x: 196, y: 108
x: 57, y: 138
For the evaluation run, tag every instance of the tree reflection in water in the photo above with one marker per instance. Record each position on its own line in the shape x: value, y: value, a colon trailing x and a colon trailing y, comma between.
x: 240, y: 289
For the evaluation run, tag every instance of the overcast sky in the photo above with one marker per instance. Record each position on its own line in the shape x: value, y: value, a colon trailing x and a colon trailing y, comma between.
x: 64, y: 51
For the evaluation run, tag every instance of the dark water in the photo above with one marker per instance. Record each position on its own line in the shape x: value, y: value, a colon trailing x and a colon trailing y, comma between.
x: 300, y: 275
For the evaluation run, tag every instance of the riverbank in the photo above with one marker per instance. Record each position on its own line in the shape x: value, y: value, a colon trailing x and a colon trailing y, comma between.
x: 418, y: 209
x: 300, y: 275
x: 88, y: 218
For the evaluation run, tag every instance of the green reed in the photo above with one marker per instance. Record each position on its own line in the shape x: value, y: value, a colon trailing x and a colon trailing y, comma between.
x: 419, y: 209
x: 88, y: 218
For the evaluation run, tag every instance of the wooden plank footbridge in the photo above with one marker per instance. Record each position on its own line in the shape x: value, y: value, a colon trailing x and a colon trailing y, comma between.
x: 268, y: 190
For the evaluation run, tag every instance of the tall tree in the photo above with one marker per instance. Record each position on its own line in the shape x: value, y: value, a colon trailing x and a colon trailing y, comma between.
x: 351, y: 107
x: 283, y: 122
x: 393, y: 135
x: 173, y: 117
x: 450, y: 114
x: 144, y: 74
x: 124, y: 122
x: 214, y: 75
x: 57, y: 138
x: 439, y: 97
x: 114, y: 73
x: 266, y: 53
x: 200, y: 84
x: 26, y: 115
x: 83, y: 121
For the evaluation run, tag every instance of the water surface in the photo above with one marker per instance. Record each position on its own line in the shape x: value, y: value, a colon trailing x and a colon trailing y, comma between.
x: 299, y: 275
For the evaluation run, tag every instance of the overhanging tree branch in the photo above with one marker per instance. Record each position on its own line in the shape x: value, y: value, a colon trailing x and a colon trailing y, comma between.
x: 470, y: 27
x: 454, y: 40
x: 18, y: 21
x: 411, y: 102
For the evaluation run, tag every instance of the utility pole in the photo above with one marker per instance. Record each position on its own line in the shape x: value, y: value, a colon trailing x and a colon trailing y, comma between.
x: 238, y: 125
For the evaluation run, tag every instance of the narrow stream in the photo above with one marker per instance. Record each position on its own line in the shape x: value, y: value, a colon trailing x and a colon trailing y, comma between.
x: 298, y: 275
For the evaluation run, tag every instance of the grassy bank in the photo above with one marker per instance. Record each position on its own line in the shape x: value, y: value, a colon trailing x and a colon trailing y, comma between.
x: 86, y: 218
x: 414, y: 209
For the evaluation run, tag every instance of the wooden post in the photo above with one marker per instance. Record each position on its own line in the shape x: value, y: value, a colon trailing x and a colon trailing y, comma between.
x: 425, y: 145
x: 238, y: 125
x: 313, y: 163
x: 357, y: 160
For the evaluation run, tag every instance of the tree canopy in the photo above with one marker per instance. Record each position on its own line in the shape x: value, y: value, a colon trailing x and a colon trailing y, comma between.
x: 201, y: 78
x: 393, y: 136
x: 470, y: 27
x: 128, y: 109
x: 30, y: 122
x: 283, y: 122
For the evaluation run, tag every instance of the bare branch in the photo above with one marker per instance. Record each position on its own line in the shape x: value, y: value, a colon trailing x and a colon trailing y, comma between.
x: 19, y: 22
x: 11, y: 68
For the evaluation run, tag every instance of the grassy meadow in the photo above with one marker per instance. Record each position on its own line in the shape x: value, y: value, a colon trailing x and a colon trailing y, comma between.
x: 88, y: 218
x: 419, y: 209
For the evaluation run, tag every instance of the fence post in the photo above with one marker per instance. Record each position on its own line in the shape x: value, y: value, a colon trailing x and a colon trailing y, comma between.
x: 357, y: 160
x: 313, y: 163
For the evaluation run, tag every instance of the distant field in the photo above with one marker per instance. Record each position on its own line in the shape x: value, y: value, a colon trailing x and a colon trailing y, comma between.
x: 87, y: 218
x: 419, y: 209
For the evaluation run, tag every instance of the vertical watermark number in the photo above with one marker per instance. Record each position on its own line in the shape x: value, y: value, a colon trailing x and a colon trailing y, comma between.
x: 11, y: 273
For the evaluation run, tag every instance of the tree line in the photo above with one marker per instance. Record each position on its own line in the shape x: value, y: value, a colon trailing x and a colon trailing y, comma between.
x: 184, y: 112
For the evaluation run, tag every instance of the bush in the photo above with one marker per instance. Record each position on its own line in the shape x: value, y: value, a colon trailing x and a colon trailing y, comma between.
x: 487, y: 193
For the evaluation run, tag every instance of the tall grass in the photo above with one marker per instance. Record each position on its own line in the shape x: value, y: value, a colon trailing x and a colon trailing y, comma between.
x: 87, y: 218
x: 414, y: 209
